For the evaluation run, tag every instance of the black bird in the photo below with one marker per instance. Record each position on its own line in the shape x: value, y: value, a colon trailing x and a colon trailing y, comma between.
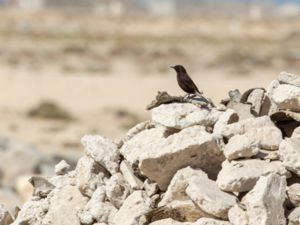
x: 185, y: 82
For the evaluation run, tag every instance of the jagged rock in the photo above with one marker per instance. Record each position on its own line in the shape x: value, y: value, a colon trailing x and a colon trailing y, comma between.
x: 287, y: 97
x: 134, y: 182
x: 192, y: 146
x: 243, y: 110
x: 62, y: 168
x: 103, y: 151
x: 293, y: 193
x: 42, y: 187
x: 289, y: 151
x: 97, y: 209
x: 286, y: 121
x: 288, y: 78
x: 209, y: 221
x: 64, y: 205
x: 32, y: 212
x: 240, y: 176
x: 150, y: 187
x: 117, y: 189
x: 5, y: 217
x: 268, y: 137
x: 240, y: 146
x: 264, y: 203
x: 178, y: 210
x: 228, y: 117
x: 296, y: 133
x: 180, y: 116
x: 137, y: 129
x: 255, y: 97
x: 169, y: 221
x: 142, y: 142
x: 206, y: 194
x: 247, y: 125
x: 294, y: 217
x: 133, y: 209
x: 237, y: 216
x: 267, y: 155
x: 89, y: 175
x: 179, y: 183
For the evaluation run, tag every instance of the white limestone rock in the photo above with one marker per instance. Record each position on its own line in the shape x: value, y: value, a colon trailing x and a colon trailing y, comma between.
x: 228, y: 117
x: 89, y: 175
x: 287, y: 97
x: 192, y: 146
x: 103, y: 151
x: 134, y: 182
x: 133, y: 209
x: 288, y: 78
x: 5, y: 217
x: 246, y: 125
x: 97, y: 209
x: 293, y: 193
x: 294, y: 217
x: 256, y: 98
x: 240, y: 146
x: 62, y: 168
x: 33, y: 212
x: 209, y: 221
x: 183, y: 115
x: 64, y: 205
x: 206, y: 194
x: 117, y: 189
x: 289, y: 151
x: 142, y: 142
x: 240, y: 176
x: 237, y: 216
x: 296, y: 133
x: 264, y: 203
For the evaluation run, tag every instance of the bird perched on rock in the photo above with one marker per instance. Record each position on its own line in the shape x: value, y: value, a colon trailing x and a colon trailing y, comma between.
x: 185, y: 82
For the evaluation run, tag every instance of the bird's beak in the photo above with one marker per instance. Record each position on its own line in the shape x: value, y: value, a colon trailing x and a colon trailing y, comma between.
x: 172, y: 67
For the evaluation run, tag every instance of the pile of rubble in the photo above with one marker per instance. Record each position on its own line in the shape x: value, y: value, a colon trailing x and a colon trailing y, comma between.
x: 237, y: 163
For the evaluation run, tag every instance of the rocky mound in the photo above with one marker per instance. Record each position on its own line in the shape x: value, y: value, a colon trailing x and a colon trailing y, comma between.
x: 237, y: 163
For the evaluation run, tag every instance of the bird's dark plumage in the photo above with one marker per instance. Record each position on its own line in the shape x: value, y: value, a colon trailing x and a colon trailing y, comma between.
x: 185, y: 82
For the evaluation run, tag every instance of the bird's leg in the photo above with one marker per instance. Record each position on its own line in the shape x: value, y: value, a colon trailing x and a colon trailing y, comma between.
x: 186, y: 97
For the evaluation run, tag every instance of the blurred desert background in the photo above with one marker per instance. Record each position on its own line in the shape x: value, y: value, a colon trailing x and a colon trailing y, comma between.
x: 69, y: 68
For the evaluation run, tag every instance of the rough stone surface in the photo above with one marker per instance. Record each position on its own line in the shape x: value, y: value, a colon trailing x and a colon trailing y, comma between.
x: 256, y: 98
x: 228, y: 117
x: 240, y: 146
x: 117, y: 189
x: 242, y: 175
x: 5, y: 217
x: 287, y: 97
x: 268, y: 137
x: 103, y: 151
x: 193, y: 146
x: 294, y: 217
x: 206, y: 194
x: 134, y: 182
x: 64, y: 205
x: 293, y: 193
x: 142, y: 142
x: 264, y: 203
x: 289, y: 151
x: 89, y: 175
x: 288, y: 78
x: 97, y: 209
x: 169, y: 221
x: 62, y: 168
x: 237, y: 216
x: 133, y: 209
x: 208, y: 221
x: 296, y: 133
x: 179, y: 116
x: 246, y: 125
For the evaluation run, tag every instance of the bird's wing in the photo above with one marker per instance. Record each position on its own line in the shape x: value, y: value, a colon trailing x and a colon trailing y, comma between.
x: 190, y: 82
